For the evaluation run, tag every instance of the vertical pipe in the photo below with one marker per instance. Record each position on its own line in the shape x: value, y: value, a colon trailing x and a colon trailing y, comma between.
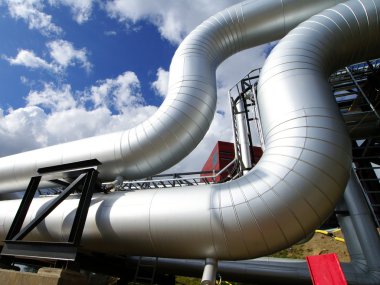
x: 363, y: 222
x: 243, y: 135
x: 258, y: 121
x: 350, y: 237
x: 209, y: 272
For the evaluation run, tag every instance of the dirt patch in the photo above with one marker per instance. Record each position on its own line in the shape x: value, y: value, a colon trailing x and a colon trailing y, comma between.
x: 319, y: 244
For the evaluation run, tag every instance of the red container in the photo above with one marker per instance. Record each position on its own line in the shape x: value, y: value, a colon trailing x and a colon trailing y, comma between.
x: 222, y: 154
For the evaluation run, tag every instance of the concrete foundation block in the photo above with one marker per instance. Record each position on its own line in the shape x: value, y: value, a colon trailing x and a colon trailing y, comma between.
x: 44, y: 276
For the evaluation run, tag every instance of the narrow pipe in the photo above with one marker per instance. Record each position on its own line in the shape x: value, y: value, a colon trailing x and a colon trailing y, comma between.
x: 243, y: 136
x: 209, y: 272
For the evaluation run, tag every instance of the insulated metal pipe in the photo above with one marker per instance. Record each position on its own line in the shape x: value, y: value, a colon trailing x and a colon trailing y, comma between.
x: 242, y: 129
x: 289, y: 193
x: 362, y: 220
x: 350, y: 237
x: 360, y: 270
x: 209, y: 272
x: 185, y: 116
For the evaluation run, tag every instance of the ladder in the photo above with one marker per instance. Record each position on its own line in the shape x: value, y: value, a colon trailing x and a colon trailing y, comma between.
x: 366, y: 155
x: 357, y: 92
x: 145, y: 270
x: 244, y: 92
x: 236, y: 138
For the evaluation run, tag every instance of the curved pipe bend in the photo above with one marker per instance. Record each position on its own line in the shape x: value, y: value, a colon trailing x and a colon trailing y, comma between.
x: 185, y: 116
x: 294, y: 187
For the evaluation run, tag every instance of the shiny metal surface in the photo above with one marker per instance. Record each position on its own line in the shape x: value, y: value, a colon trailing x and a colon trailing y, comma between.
x: 362, y: 243
x: 365, y: 228
x: 209, y: 272
x: 185, y: 115
x: 301, y: 175
x: 242, y: 129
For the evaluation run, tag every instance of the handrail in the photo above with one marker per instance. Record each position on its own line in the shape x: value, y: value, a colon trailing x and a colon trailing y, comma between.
x: 179, y: 178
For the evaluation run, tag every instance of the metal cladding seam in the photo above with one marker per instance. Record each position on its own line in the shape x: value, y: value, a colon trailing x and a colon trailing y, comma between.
x: 185, y: 116
x: 289, y: 193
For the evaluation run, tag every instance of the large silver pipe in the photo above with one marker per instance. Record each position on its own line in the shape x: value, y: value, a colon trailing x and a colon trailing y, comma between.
x: 359, y: 232
x: 185, y: 115
x: 289, y: 193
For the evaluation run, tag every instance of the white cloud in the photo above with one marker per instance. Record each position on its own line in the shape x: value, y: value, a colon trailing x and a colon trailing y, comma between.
x: 31, y: 11
x: 57, y: 114
x: 75, y: 123
x: 81, y: 9
x: 237, y: 66
x: 120, y: 92
x: 27, y: 58
x: 64, y: 54
x: 52, y: 98
x: 16, y: 125
x: 174, y: 19
x: 43, y: 129
x: 220, y: 130
x: 160, y: 86
x: 110, y: 33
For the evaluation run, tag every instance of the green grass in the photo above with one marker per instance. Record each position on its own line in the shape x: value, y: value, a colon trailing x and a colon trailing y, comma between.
x: 180, y: 280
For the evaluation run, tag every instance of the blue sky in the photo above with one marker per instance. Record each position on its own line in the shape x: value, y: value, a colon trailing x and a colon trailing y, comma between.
x: 72, y: 69
x: 110, y: 49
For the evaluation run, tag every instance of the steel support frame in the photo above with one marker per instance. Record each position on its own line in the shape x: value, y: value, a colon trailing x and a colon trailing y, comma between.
x: 14, y: 246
